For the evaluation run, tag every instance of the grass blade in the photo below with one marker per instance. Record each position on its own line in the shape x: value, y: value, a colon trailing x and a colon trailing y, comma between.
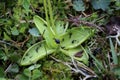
x: 96, y: 61
x: 114, y: 55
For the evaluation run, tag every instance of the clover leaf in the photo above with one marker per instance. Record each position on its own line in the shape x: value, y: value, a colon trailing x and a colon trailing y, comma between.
x: 100, y: 4
x: 78, y: 5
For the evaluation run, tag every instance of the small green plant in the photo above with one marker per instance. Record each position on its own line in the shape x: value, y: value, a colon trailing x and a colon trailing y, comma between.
x: 57, y: 37
x: 29, y: 74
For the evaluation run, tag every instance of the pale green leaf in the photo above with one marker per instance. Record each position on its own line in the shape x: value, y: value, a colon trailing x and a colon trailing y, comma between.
x: 75, y: 37
x: 77, y: 53
x: 34, y: 66
x: 36, y: 52
x: 41, y: 24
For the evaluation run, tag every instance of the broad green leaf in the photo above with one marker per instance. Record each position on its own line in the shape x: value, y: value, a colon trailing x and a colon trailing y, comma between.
x: 36, y: 52
x: 100, y: 4
x: 43, y: 29
x: 75, y: 37
x: 50, y: 39
x: 40, y: 23
x: 78, y: 5
x: 77, y: 53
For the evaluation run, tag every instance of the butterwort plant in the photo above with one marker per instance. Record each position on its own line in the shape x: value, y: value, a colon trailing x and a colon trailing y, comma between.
x: 57, y: 38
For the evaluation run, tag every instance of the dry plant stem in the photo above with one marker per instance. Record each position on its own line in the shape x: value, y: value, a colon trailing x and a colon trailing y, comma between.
x: 4, y: 42
x: 20, y: 44
x: 76, y: 21
x: 116, y: 36
x: 90, y: 24
x: 77, y: 69
x: 8, y: 68
x: 84, y: 14
x: 9, y: 43
x: 99, y: 18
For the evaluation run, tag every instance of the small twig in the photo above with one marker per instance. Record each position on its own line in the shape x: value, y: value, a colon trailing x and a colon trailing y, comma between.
x: 78, y: 69
x: 5, y: 14
x: 25, y: 40
x: 21, y: 44
x: 90, y: 24
x: 8, y: 68
x: 24, y: 21
x: 117, y: 35
x: 84, y: 14
x: 9, y: 44
x: 74, y: 62
x: 4, y: 42
x: 99, y: 19
x: 76, y: 21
